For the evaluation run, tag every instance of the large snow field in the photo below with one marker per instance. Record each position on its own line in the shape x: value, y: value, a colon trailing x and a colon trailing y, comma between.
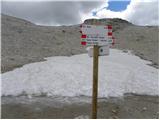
x: 119, y: 73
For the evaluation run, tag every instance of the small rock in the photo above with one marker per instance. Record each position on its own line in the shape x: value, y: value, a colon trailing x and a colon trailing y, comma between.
x: 29, y: 96
x: 110, y: 117
x: 37, y: 109
x: 82, y: 117
x: 114, y: 111
x: 144, y: 108
x: 115, y: 117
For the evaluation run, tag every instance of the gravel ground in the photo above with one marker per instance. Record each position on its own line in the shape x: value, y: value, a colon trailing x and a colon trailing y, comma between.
x: 130, y: 106
x: 142, y: 41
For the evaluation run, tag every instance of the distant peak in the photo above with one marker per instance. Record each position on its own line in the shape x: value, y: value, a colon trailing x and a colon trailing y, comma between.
x: 104, y: 21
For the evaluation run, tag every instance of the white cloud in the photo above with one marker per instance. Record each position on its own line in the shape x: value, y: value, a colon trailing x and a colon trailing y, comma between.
x: 50, y: 13
x: 138, y: 12
x: 143, y: 13
x: 88, y: 15
x: 110, y: 14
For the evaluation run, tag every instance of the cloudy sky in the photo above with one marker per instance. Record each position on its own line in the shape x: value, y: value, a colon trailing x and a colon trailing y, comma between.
x: 67, y: 12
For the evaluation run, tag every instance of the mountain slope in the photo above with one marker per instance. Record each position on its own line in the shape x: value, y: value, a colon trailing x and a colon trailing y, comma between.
x: 24, y: 42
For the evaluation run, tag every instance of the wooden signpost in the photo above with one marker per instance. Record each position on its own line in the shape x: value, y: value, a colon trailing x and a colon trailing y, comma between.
x: 95, y: 81
x: 96, y: 36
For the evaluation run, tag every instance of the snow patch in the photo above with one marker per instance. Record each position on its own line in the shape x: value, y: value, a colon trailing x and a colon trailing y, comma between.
x: 119, y: 73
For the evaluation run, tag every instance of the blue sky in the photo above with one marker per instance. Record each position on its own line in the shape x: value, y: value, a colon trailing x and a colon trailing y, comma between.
x: 118, y: 5
x: 115, y: 5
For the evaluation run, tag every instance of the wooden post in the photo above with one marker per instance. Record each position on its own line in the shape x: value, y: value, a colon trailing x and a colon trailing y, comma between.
x: 95, y: 81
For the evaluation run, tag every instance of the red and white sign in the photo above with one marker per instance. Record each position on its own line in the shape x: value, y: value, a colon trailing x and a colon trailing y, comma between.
x: 94, y: 29
x: 96, y: 39
x: 96, y: 35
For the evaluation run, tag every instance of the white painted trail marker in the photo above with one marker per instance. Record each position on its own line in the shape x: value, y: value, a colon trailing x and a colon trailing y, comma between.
x: 103, y: 51
x: 100, y: 37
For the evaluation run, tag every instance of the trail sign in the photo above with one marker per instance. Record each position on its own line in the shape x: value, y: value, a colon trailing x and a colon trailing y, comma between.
x: 96, y: 39
x: 96, y: 35
x: 100, y: 37
x: 95, y: 29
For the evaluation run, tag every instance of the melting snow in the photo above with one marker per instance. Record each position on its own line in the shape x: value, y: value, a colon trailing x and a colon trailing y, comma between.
x: 119, y: 73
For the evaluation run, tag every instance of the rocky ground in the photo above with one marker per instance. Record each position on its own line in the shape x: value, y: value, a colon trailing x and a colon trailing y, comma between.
x: 128, y: 107
x: 24, y: 42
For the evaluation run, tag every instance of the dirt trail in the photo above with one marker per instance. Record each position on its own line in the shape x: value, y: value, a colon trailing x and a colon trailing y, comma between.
x: 130, y: 106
